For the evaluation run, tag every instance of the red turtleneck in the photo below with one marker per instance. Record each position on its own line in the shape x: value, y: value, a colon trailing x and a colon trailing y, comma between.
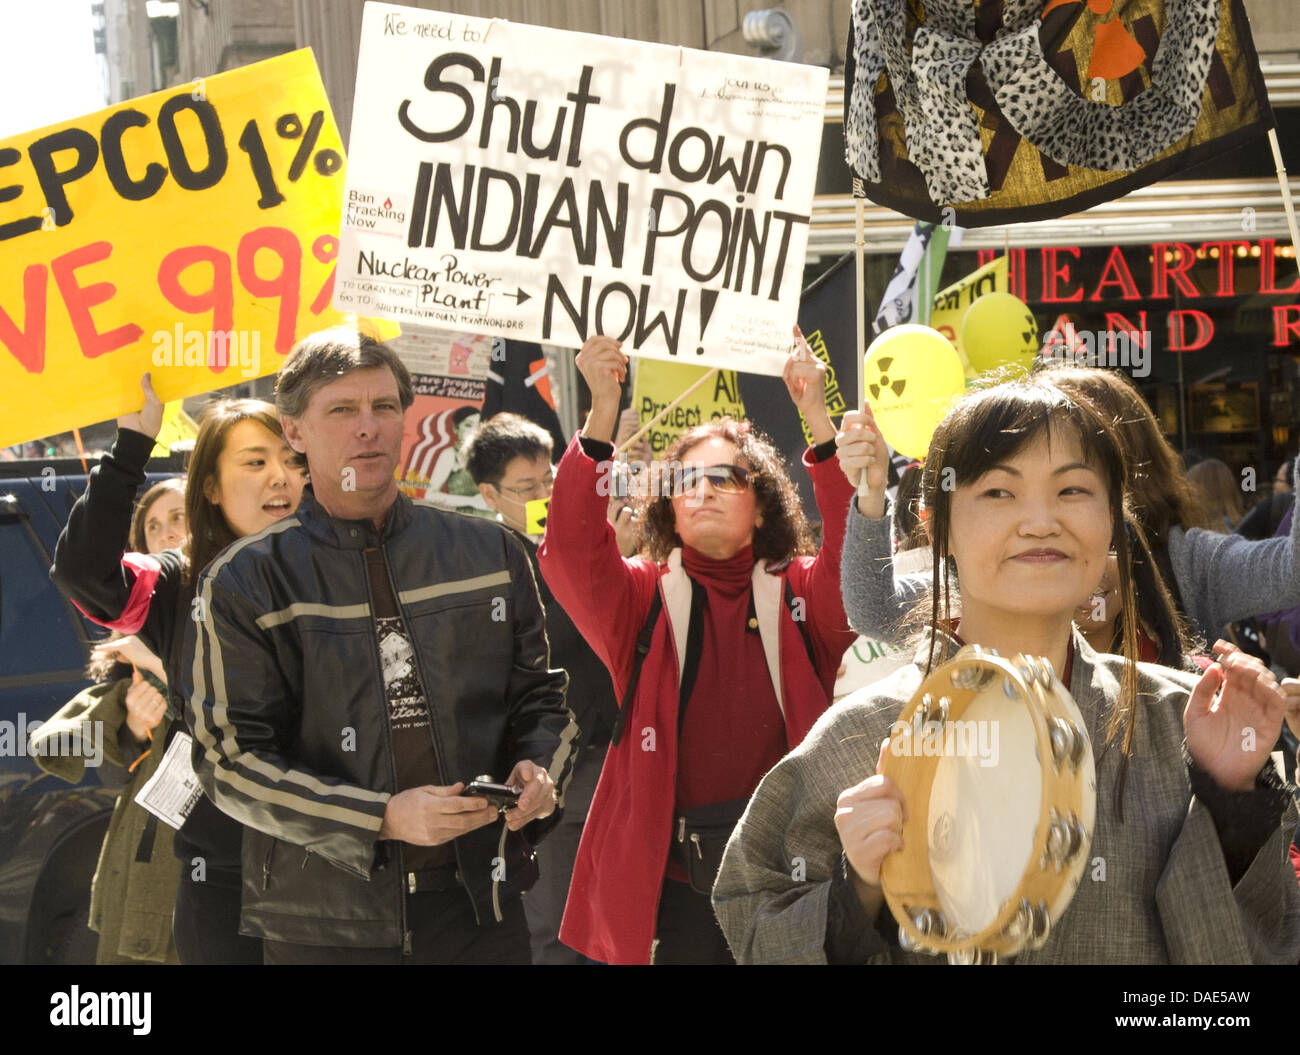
x: 734, y: 731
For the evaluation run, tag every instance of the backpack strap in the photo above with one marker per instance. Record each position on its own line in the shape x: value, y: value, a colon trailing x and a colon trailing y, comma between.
x: 642, y: 647
x: 694, y: 648
x: 800, y: 620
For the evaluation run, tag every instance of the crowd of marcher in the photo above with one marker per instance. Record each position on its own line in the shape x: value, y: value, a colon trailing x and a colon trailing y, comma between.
x: 424, y: 737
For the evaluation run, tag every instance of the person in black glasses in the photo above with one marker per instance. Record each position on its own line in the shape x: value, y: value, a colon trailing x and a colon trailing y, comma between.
x: 723, y: 647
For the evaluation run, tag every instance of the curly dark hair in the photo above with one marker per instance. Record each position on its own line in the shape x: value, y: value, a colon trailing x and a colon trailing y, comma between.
x: 784, y: 533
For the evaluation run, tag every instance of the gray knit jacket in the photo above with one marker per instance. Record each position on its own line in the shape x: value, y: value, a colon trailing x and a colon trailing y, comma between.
x: 1221, y: 578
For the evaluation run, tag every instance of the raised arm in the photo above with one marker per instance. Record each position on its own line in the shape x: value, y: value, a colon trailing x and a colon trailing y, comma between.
x: 805, y: 380
x: 874, y: 600
x: 92, y: 566
x: 606, y: 595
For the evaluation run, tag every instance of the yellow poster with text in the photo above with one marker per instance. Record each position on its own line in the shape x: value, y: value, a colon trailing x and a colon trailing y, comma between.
x: 951, y: 304
x: 191, y: 233
x: 657, y: 384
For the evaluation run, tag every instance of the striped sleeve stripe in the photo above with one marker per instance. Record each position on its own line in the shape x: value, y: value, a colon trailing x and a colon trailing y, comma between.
x: 563, y: 759
x: 311, y: 807
x: 328, y: 611
x: 446, y: 589
x: 228, y: 748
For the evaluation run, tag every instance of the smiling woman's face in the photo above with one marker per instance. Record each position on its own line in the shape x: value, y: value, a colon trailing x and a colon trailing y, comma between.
x: 1031, y: 536
x: 255, y: 483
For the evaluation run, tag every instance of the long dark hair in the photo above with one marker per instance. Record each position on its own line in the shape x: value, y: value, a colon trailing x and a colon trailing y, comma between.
x: 784, y: 532
x: 1162, y: 496
x: 989, y: 427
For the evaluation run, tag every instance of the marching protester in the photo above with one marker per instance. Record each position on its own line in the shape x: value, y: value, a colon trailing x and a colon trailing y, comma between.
x: 1024, y: 491
x: 509, y: 458
x: 242, y: 478
x: 1215, y: 579
x: 134, y: 888
x: 723, y: 646
x: 354, y: 670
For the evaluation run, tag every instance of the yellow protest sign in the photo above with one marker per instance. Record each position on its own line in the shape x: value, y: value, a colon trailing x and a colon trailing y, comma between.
x: 658, y: 383
x: 952, y: 304
x: 191, y: 233
x: 177, y: 427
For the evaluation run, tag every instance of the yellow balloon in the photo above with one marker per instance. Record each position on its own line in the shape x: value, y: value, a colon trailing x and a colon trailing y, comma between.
x: 912, y: 374
x: 999, y: 330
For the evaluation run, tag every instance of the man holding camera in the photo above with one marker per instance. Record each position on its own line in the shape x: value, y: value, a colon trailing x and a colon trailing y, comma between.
x: 355, y: 667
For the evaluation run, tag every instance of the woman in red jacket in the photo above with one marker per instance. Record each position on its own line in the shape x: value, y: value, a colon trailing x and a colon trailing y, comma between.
x: 738, y: 655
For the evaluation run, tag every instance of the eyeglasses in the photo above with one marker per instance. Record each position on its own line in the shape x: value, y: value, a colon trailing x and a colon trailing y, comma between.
x: 537, y: 490
x: 725, y: 479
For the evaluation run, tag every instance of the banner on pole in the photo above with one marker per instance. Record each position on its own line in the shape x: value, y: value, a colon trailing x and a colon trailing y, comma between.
x: 191, y: 233
x: 546, y: 185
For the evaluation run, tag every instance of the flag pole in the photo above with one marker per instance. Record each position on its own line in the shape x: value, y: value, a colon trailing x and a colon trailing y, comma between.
x: 859, y: 252
x: 650, y: 424
x: 1285, y: 184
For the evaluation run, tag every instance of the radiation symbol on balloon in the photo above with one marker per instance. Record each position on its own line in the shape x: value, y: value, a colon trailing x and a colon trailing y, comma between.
x: 885, y: 383
x: 999, y: 331
x: 917, y: 374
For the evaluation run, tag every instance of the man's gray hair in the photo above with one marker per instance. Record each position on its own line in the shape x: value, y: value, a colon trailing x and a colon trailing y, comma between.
x: 327, y: 355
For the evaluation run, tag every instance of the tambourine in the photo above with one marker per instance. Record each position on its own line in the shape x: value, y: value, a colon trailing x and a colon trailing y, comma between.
x: 994, y: 763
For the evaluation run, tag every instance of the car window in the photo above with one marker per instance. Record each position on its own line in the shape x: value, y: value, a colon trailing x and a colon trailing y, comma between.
x: 36, y: 633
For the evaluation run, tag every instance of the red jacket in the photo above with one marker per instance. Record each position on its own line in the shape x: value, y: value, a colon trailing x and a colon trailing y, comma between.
x: 614, y: 893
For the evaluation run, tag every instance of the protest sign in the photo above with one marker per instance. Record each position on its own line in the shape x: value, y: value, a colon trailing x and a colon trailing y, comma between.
x: 191, y: 233
x: 658, y: 384
x: 449, y: 377
x: 548, y: 185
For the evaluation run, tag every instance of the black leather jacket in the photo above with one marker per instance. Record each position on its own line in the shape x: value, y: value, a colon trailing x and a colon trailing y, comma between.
x: 288, y: 706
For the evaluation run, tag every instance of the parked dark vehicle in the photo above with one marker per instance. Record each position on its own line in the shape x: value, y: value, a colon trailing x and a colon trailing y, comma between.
x: 50, y: 832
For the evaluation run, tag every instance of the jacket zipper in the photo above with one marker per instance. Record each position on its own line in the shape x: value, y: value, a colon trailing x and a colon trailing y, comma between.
x: 400, y: 877
x: 438, y: 753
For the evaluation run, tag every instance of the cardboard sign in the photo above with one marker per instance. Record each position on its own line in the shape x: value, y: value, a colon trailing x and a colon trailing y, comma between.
x: 190, y: 233
x: 547, y: 185
x: 658, y: 384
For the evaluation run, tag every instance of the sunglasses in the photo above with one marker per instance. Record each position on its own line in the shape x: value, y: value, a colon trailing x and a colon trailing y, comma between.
x: 725, y: 479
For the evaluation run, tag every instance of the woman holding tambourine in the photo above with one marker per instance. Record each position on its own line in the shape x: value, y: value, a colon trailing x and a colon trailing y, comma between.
x: 1179, y: 853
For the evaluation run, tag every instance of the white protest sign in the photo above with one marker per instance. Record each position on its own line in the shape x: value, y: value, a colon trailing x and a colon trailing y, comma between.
x: 546, y: 185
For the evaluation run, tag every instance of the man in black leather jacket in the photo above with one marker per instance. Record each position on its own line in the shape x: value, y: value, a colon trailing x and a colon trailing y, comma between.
x: 354, y: 667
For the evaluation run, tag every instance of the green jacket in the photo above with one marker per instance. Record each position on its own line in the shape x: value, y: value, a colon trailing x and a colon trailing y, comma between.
x: 134, y: 888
